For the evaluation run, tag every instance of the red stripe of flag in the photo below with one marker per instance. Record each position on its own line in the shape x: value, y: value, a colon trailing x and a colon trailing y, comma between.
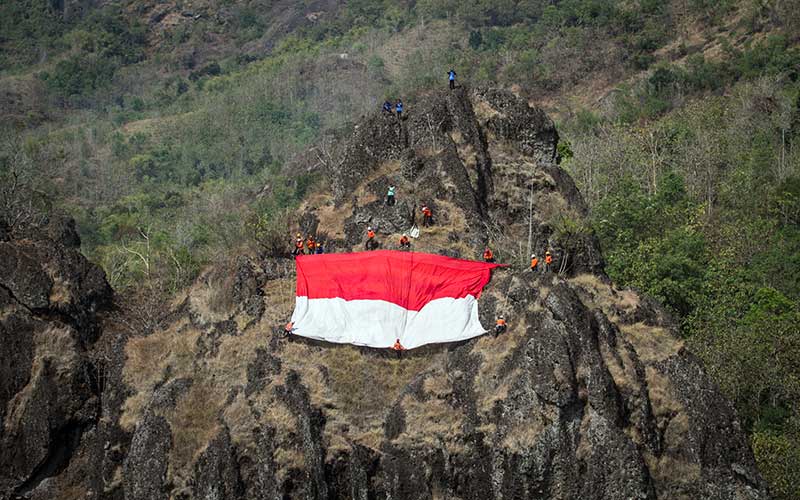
x: 408, y: 279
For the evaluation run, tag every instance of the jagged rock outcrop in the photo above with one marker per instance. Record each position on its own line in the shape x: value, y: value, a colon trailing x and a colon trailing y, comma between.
x: 589, y: 394
x: 49, y: 394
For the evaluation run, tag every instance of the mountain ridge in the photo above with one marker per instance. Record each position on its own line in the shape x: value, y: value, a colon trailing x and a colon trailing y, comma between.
x: 589, y: 394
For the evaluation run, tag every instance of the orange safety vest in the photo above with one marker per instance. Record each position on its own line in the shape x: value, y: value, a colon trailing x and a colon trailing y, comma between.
x: 370, y: 234
x: 299, y: 243
x: 289, y: 326
x: 426, y: 211
x: 397, y: 346
x: 548, y: 259
x: 501, y: 322
x: 404, y: 241
x: 311, y: 244
x: 488, y: 255
x: 534, y: 262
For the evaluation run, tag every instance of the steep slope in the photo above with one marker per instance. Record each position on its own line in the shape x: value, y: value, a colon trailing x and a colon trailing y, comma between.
x: 588, y: 395
x: 49, y: 386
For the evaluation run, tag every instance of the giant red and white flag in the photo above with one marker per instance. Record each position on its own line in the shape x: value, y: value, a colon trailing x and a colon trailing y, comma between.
x: 374, y: 298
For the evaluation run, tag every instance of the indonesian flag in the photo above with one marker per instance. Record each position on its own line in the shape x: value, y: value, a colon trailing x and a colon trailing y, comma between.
x: 374, y: 298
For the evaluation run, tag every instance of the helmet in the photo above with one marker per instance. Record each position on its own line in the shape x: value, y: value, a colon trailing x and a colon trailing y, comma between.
x: 404, y: 234
x: 533, y: 256
x: 298, y: 235
x: 500, y: 317
x: 547, y: 252
x: 369, y: 228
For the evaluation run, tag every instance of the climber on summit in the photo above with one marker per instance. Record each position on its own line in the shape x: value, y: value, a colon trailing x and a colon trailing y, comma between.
x: 370, y: 244
x: 398, y: 348
x: 499, y: 326
x: 405, y: 243
x: 298, y: 246
x: 534, y: 263
x: 548, y: 261
x: 427, y: 216
x: 390, y: 196
x: 451, y: 75
x: 488, y: 255
x: 387, y: 107
x: 399, y: 109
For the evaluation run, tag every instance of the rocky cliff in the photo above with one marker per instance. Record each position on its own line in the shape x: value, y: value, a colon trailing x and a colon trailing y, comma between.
x: 590, y: 394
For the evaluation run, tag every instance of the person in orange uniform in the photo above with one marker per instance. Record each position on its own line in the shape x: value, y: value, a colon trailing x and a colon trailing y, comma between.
x: 298, y: 245
x: 499, y: 326
x: 427, y: 216
x: 398, y: 348
x: 311, y: 244
x: 488, y: 255
x: 548, y: 261
x: 405, y: 243
x: 370, y: 243
x: 534, y: 263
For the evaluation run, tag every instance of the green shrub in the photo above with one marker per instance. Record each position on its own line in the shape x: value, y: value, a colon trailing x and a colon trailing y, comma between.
x: 778, y: 459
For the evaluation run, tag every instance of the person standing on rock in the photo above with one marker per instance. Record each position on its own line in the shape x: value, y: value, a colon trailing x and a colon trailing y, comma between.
x: 387, y: 107
x: 488, y: 255
x: 311, y: 244
x: 499, y: 326
x: 427, y: 216
x: 534, y: 263
x: 298, y: 246
x: 319, y: 250
x: 390, y: 196
x: 451, y: 75
x: 398, y: 108
x: 548, y: 261
x: 371, y: 244
x: 398, y: 348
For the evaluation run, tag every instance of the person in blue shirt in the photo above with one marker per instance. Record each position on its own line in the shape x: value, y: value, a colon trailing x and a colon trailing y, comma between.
x: 387, y: 107
x: 399, y: 108
x: 320, y: 249
x: 452, y: 76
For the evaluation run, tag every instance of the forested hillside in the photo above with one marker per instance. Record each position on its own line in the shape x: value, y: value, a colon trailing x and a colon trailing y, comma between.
x: 179, y: 132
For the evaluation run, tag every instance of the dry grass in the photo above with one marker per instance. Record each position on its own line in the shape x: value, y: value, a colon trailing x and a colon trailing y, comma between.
x: 194, y: 423
x: 449, y: 219
x: 495, y: 351
x: 652, y: 344
x: 484, y: 111
x: 433, y: 422
x: 240, y: 420
x: 331, y: 218
x: 147, y: 359
x: 601, y: 295
x: 668, y: 411
x: 624, y: 373
x: 59, y: 293
x: 211, y: 296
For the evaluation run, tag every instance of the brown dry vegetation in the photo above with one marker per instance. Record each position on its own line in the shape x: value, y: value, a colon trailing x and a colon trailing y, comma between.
x: 652, y: 344
x: 148, y: 358
x: 605, y: 296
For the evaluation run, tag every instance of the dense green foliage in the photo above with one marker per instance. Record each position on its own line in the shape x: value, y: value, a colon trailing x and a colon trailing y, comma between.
x: 699, y: 208
x: 170, y: 135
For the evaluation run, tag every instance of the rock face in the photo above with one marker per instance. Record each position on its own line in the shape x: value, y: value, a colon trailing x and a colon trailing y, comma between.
x: 589, y: 394
x: 49, y: 394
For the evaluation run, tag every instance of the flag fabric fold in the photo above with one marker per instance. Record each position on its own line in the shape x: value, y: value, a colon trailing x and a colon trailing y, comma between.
x: 374, y: 298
